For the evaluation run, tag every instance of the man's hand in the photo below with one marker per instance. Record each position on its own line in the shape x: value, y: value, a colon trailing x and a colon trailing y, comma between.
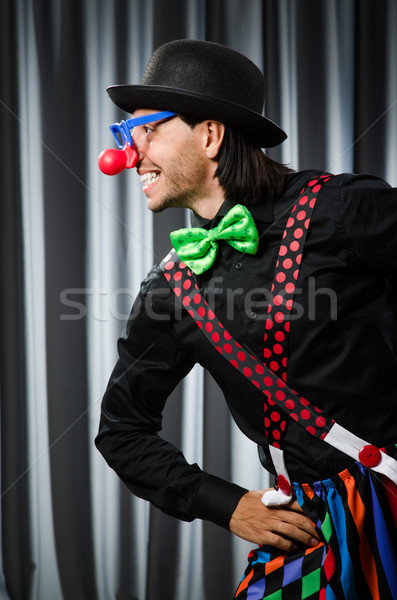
x: 277, y: 526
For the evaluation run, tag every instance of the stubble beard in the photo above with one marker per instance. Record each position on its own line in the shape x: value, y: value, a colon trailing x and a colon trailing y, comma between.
x: 184, y: 179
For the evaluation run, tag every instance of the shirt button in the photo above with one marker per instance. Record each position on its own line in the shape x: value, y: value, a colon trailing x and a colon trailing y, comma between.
x: 252, y: 315
x: 369, y: 456
x: 238, y: 266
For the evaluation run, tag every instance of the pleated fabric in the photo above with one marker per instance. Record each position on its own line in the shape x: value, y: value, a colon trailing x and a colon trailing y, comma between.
x: 355, y: 514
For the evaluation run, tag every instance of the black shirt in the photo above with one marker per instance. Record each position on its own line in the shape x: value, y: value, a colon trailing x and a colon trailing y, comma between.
x: 342, y: 346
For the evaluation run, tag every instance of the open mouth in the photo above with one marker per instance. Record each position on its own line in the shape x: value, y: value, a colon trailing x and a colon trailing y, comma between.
x: 148, y: 179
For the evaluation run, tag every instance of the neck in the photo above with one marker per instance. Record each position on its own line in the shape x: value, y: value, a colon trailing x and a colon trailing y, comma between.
x: 208, y: 210
x: 208, y: 205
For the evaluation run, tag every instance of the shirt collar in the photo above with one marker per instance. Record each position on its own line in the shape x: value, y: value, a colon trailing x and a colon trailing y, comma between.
x: 262, y: 212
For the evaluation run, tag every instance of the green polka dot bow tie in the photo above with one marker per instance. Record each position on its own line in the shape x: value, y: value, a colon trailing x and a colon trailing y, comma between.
x: 198, y: 247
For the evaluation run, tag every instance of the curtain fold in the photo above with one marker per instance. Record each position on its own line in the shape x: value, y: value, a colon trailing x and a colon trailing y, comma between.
x: 14, y: 529
x: 38, y: 474
x: 76, y: 244
x: 390, y: 171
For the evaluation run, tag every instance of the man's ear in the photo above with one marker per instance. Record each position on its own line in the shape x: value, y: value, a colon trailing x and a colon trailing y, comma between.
x: 214, y: 132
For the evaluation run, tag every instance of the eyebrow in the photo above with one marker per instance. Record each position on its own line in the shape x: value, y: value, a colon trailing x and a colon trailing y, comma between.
x: 155, y: 124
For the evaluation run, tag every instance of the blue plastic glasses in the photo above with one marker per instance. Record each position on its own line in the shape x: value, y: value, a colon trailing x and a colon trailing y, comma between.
x: 122, y: 131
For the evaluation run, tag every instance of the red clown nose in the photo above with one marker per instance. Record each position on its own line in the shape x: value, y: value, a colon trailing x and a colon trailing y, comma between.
x: 112, y: 162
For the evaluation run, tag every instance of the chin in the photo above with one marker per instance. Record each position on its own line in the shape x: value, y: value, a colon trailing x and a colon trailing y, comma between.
x: 156, y: 207
x: 161, y: 204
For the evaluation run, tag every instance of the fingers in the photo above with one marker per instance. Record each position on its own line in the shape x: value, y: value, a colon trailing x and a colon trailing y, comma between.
x: 296, y: 532
x: 285, y: 529
x: 272, y: 539
x: 286, y: 536
x: 285, y: 544
x: 301, y: 524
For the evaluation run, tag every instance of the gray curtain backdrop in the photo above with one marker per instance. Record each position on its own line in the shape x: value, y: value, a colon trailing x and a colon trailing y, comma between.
x: 75, y: 245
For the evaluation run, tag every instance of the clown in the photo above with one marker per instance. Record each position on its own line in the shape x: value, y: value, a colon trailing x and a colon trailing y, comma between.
x: 312, y: 386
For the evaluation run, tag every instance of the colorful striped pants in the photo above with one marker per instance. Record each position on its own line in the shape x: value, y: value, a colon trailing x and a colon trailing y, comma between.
x: 355, y: 514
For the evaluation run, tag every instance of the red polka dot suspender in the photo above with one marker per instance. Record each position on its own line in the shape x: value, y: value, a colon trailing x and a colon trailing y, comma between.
x: 269, y: 377
x: 277, y: 324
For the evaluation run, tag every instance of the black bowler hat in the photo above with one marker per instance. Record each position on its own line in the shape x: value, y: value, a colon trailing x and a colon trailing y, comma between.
x: 205, y: 80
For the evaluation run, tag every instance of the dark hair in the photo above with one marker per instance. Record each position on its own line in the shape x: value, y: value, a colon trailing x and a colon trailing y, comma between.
x: 244, y: 171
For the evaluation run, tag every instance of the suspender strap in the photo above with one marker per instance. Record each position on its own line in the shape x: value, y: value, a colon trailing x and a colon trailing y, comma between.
x: 277, y: 325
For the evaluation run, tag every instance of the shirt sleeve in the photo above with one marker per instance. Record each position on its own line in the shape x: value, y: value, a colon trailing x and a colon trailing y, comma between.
x: 152, y: 361
x: 368, y: 222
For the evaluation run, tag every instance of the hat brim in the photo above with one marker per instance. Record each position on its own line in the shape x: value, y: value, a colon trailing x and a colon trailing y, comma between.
x: 262, y: 131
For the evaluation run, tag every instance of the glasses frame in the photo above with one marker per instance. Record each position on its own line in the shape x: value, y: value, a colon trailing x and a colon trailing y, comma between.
x: 123, y: 128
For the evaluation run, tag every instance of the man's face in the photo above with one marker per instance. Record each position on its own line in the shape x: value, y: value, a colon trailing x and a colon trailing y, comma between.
x: 172, y: 164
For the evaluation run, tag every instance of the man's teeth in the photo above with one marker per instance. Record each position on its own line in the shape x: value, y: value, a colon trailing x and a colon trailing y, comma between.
x: 148, y: 178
